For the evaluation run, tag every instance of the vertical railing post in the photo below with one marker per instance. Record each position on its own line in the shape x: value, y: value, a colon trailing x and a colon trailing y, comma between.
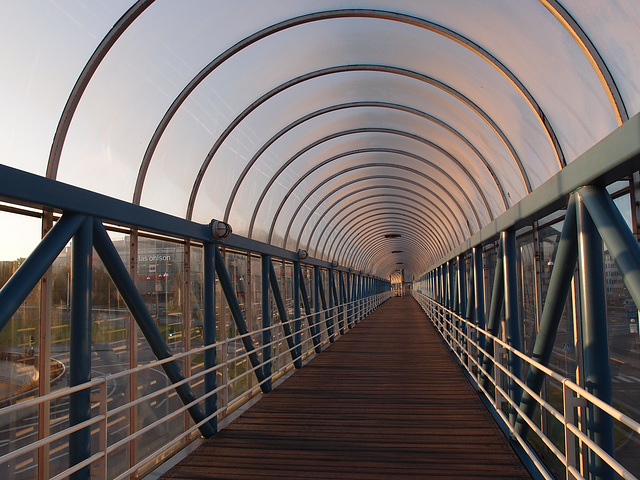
x: 209, y: 333
x: 597, y: 371
x: 80, y: 347
x: 266, y: 321
x: 511, y: 316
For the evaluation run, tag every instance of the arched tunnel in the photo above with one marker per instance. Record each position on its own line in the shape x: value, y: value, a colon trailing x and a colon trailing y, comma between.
x: 199, y: 197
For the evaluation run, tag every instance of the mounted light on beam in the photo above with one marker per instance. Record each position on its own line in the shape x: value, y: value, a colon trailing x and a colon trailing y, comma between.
x: 302, y: 254
x: 220, y: 230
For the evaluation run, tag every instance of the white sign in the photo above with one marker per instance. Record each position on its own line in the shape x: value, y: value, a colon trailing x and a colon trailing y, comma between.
x: 152, y: 269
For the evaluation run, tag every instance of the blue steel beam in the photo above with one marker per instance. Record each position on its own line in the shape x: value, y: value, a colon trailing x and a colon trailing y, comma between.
x: 616, y: 235
x: 236, y: 313
x: 282, y: 312
x: 209, y: 333
x: 148, y: 327
x: 24, y: 280
x: 80, y: 347
x: 559, y: 285
x: 595, y: 344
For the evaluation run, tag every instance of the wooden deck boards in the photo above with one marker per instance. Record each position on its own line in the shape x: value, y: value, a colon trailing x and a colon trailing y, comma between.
x: 385, y: 401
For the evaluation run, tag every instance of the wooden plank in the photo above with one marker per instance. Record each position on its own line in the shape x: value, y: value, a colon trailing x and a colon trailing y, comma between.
x: 385, y: 401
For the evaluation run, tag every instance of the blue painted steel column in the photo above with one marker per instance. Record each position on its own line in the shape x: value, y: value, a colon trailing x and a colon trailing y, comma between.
x: 597, y: 371
x: 338, y: 303
x: 266, y: 321
x: 148, y: 326
x: 617, y: 235
x: 344, y: 321
x: 331, y: 312
x: 511, y: 316
x: 282, y: 313
x: 462, y: 297
x: 310, y: 318
x: 349, y: 299
x: 478, y: 287
x: 559, y: 285
x: 23, y: 281
x: 80, y: 347
x: 316, y: 301
x: 209, y: 332
x: 462, y: 285
x: 497, y: 300
x: 297, y: 273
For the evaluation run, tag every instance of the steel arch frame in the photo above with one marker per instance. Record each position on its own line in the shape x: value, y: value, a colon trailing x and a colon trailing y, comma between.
x: 394, y: 187
x: 333, y: 223
x: 361, y: 104
x: 350, y: 69
x: 348, y: 251
x: 406, y: 153
x: 392, y: 132
x: 348, y: 229
x: 372, y: 187
x: 410, y: 240
x: 325, y: 162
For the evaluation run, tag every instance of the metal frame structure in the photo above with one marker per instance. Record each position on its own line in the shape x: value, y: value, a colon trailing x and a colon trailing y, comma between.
x: 83, y: 214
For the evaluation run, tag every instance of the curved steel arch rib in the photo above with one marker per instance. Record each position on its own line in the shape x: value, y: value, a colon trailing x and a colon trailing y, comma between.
x: 345, y: 69
x: 348, y: 252
x: 363, y: 189
x: 594, y: 57
x: 298, y: 154
x: 319, y: 165
x: 392, y: 132
x: 412, y: 243
x: 83, y: 81
x: 330, y: 221
x: 412, y: 182
x: 347, y: 235
x: 330, y: 14
x: 377, y: 260
x: 360, y: 104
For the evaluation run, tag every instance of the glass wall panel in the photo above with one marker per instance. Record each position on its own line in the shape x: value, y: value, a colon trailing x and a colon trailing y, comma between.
x: 160, y: 280
x: 624, y: 351
x: 20, y: 348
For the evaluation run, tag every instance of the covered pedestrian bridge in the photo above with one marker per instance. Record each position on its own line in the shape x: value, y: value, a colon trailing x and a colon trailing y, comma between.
x: 201, y: 202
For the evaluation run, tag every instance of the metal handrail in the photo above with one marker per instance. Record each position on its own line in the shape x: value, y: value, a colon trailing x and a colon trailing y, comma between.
x: 442, y: 316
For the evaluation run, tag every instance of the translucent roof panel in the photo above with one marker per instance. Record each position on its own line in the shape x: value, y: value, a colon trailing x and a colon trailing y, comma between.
x: 317, y: 125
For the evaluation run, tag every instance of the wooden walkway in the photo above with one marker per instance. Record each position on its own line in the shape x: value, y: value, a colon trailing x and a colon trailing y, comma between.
x: 385, y: 401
